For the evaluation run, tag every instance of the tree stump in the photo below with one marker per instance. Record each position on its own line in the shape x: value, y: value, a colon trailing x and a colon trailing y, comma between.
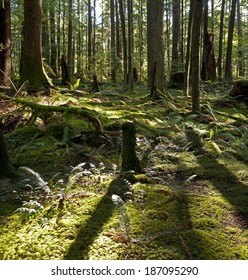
x: 129, y: 158
x: 6, y: 170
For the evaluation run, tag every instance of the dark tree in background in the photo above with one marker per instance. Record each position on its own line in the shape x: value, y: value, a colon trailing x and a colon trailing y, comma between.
x: 5, y: 49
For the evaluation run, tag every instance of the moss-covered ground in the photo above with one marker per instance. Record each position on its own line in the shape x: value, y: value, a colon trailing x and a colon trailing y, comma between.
x: 70, y: 201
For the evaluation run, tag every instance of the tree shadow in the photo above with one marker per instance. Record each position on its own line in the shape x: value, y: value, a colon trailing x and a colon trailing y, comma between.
x: 227, y: 184
x: 221, y: 177
x: 80, y: 248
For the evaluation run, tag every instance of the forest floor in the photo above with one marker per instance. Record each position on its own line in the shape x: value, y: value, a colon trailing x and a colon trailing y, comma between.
x: 189, y: 202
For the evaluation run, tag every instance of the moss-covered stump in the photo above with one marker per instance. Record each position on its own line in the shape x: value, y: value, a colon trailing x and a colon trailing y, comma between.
x: 129, y: 158
x: 240, y: 89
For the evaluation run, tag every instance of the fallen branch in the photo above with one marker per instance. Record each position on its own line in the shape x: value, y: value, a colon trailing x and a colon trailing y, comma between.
x: 85, y: 113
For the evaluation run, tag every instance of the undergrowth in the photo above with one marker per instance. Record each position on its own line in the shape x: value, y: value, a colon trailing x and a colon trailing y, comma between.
x: 70, y: 200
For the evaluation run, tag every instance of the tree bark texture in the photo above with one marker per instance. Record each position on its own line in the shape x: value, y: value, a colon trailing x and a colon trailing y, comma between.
x: 228, y: 68
x: 5, y: 47
x: 175, y: 36
x: 195, y: 55
x: 31, y: 68
x: 155, y: 45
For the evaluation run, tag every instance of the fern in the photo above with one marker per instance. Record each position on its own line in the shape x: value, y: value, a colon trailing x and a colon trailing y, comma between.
x: 123, y: 215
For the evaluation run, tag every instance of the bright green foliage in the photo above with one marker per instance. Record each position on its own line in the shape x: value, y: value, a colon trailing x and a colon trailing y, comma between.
x: 189, y: 203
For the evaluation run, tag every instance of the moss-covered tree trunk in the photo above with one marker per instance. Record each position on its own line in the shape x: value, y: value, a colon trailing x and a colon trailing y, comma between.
x: 129, y: 158
x: 31, y: 64
x: 6, y: 169
x: 5, y: 48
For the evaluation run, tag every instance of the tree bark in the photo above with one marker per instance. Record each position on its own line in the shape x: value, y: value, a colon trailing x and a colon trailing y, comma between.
x: 124, y: 42
x: 5, y: 46
x: 175, y: 36
x: 195, y: 55
x: 53, y: 37
x: 221, y: 39
x: 31, y: 67
x: 113, y: 46
x: 155, y: 45
x: 228, y: 68
x: 70, y: 41
x: 188, y: 52
x: 130, y: 43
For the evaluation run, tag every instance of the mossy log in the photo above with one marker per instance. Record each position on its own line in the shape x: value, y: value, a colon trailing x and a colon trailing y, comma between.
x: 129, y: 158
x: 240, y: 89
x: 85, y: 113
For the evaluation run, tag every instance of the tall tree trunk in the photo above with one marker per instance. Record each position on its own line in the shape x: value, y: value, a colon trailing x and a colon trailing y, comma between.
x: 155, y: 46
x: 175, y: 36
x: 58, y: 35
x: 5, y: 39
x: 130, y: 43
x: 221, y: 39
x: 118, y: 49
x: 188, y: 51
x: 240, y: 43
x: 228, y: 68
x: 195, y: 55
x: 205, y: 45
x: 124, y: 42
x: 167, y: 33
x: 46, y: 33
x: 53, y: 36
x: 113, y: 46
x: 141, y: 40
x: 32, y: 68
x: 89, y: 36
x: 70, y: 40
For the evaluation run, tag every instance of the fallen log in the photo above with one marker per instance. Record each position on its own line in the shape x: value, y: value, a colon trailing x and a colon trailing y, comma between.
x: 83, y: 112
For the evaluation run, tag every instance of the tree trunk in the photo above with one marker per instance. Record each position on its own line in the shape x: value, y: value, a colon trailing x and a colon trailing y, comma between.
x: 188, y: 52
x: 228, y: 68
x: 124, y: 42
x: 240, y: 42
x: 129, y: 158
x: 175, y: 36
x: 89, y: 36
x: 32, y: 68
x: 155, y: 45
x: 53, y: 37
x: 113, y: 46
x: 58, y: 18
x: 195, y: 55
x: 70, y: 40
x: 221, y: 39
x: 5, y: 48
x: 130, y: 43
x: 46, y: 54
x: 208, y: 63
